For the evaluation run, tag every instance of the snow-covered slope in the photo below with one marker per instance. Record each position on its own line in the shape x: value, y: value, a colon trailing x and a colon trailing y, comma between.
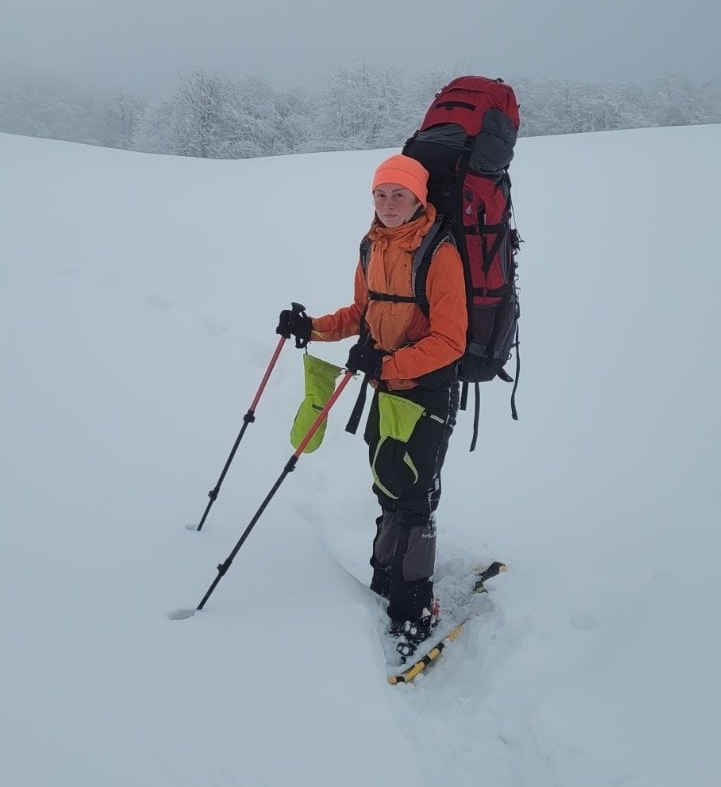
x: 138, y: 301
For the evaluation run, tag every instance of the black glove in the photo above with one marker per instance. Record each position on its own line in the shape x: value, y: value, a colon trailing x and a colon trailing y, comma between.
x: 297, y: 323
x: 363, y: 357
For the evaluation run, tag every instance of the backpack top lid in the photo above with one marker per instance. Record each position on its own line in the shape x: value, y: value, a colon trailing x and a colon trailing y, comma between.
x: 472, y: 115
x: 466, y: 99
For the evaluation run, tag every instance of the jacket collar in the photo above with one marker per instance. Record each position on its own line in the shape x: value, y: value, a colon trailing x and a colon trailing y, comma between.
x: 408, y: 236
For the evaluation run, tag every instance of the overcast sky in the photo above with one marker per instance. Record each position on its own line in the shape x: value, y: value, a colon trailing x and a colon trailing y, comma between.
x: 141, y: 45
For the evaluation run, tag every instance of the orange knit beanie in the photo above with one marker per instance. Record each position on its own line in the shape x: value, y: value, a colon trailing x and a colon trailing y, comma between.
x: 405, y: 171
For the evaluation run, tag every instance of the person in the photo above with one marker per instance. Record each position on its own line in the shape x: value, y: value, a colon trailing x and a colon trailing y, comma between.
x: 410, y: 359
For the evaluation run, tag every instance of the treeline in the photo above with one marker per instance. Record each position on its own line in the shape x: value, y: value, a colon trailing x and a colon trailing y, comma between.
x: 216, y: 115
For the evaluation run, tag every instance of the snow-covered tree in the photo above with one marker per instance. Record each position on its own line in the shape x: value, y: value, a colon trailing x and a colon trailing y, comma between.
x: 212, y: 115
x: 674, y: 101
x: 297, y: 122
x: 155, y: 130
x: 200, y: 114
x: 120, y: 117
x: 253, y: 120
x: 361, y: 108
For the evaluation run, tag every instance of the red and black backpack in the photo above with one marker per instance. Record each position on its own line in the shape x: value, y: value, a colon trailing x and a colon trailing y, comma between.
x: 466, y: 143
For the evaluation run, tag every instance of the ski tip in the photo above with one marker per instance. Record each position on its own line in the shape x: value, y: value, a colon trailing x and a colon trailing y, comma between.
x: 181, y: 614
x: 194, y: 528
x: 496, y: 567
x: 482, y: 577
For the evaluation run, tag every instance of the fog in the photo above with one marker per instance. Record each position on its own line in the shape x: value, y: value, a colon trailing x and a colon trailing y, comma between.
x: 142, y: 46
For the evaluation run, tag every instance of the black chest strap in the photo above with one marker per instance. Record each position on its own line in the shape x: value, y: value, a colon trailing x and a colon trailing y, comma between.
x: 422, y: 257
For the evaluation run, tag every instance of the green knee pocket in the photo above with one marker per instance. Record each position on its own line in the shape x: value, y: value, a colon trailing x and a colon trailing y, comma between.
x: 403, y: 460
x: 320, y: 377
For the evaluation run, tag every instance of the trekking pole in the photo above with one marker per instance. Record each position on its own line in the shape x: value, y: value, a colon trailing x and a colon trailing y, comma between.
x: 248, y: 418
x: 180, y: 614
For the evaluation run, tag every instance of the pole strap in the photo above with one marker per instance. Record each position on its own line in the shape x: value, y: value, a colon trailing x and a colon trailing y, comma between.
x: 358, y: 407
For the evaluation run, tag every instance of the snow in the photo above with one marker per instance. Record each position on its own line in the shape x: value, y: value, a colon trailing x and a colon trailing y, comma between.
x: 138, y: 300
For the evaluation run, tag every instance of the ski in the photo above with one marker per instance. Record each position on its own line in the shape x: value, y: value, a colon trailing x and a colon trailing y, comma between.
x: 410, y: 672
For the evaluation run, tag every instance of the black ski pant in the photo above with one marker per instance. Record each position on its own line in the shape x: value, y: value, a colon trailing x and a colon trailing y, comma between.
x: 407, y: 483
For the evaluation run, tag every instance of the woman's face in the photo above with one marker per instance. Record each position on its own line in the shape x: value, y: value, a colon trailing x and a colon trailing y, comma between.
x: 395, y: 204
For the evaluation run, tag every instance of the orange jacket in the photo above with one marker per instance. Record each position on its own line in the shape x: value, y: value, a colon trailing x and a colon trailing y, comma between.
x: 416, y: 344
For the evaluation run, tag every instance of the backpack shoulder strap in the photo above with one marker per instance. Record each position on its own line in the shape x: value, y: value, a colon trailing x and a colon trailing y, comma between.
x: 364, y: 259
x: 365, y: 254
x: 438, y: 234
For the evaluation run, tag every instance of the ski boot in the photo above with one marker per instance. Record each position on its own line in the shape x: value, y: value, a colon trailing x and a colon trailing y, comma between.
x: 411, y: 633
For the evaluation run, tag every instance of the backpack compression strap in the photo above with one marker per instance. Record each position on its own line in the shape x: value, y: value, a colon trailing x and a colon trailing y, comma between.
x: 503, y: 375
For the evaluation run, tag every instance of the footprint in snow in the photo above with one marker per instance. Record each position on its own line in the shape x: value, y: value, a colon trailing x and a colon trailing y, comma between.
x: 214, y: 328
x: 111, y: 282
x: 160, y: 302
x: 583, y: 620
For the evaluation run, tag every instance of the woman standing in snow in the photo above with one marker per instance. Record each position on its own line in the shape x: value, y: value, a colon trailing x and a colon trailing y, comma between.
x: 409, y: 354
